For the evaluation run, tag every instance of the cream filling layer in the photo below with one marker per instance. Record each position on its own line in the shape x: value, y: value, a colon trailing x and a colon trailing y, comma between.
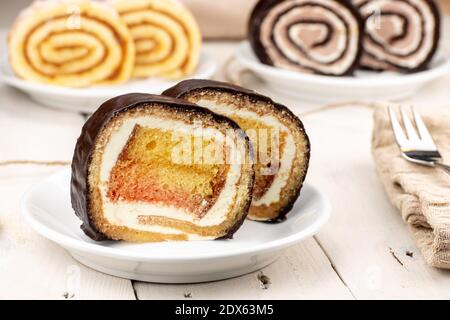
x: 272, y: 195
x: 124, y: 213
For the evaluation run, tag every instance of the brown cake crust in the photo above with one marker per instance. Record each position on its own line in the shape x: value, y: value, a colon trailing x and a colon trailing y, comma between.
x: 190, y: 86
x: 80, y: 194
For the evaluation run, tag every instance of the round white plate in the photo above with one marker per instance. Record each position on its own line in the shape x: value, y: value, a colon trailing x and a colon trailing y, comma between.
x: 89, y: 99
x: 46, y: 208
x: 364, y: 85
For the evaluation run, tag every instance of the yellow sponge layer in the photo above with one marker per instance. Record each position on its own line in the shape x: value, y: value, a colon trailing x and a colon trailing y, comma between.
x: 264, y: 139
x: 147, y: 170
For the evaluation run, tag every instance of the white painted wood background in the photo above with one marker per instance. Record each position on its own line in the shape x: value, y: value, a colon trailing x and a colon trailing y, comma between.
x: 360, y: 254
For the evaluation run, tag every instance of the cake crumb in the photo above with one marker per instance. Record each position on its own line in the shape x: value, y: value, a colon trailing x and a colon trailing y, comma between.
x: 187, y: 295
x: 67, y: 296
x: 395, y: 257
x: 264, y: 281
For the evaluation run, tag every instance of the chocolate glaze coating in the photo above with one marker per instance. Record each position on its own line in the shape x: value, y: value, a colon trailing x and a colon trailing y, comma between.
x: 187, y: 86
x: 261, y: 10
x: 85, y: 146
x: 437, y: 35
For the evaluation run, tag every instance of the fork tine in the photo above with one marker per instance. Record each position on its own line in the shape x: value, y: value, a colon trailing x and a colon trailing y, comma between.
x: 423, y: 131
x: 396, y: 127
x: 410, y: 130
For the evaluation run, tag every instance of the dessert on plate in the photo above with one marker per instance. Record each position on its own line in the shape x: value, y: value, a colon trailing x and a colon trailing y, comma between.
x: 149, y: 168
x: 73, y: 43
x: 401, y: 35
x: 281, y: 146
x: 310, y: 36
x: 166, y: 35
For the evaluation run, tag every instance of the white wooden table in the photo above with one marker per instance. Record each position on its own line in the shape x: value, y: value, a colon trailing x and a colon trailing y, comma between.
x: 364, y: 251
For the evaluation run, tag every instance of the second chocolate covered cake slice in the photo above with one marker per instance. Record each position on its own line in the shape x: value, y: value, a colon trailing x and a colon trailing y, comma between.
x: 279, y: 140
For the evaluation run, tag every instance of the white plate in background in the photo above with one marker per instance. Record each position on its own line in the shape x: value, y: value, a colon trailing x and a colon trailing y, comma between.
x: 47, y: 209
x: 87, y: 100
x: 364, y: 85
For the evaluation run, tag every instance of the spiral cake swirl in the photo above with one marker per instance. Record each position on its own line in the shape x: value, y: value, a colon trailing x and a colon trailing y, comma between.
x: 71, y: 43
x: 312, y: 36
x: 401, y: 35
x: 167, y: 37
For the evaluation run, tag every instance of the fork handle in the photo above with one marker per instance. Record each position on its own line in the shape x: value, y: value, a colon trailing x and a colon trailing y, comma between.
x: 445, y: 167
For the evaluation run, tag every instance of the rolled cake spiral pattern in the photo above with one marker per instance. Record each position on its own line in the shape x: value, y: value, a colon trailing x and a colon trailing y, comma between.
x: 71, y: 43
x: 312, y: 36
x: 401, y: 35
x: 167, y: 37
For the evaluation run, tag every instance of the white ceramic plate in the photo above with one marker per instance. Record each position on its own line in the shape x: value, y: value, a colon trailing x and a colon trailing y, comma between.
x: 89, y: 99
x: 46, y: 208
x: 365, y: 85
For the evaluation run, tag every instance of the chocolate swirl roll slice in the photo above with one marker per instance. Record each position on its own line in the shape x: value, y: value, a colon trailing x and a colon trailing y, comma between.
x: 167, y: 37
x: 311, y: 36
x: 401, y: 35
x: 149, y: 168
x: 282, y: 148
x: 74, y: 43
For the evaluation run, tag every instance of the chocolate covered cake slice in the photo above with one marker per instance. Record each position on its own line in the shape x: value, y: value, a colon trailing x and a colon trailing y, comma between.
x: 151, y: 168
x: 401, y: 35
x: 310, y: 36
x: 279, y: 140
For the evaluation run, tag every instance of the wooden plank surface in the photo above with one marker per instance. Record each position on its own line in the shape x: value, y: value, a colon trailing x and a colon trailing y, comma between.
x: 361, y: 253
x: 366, y: 238
x: 32, y: 267
x: 303, y: 272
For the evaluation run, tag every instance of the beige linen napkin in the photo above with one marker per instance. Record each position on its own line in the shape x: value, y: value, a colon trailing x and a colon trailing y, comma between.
x: 421, y: 194
x: 222, y: 19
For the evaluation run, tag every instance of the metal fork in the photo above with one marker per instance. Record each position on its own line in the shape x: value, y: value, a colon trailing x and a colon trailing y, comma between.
x: 417, y: 145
